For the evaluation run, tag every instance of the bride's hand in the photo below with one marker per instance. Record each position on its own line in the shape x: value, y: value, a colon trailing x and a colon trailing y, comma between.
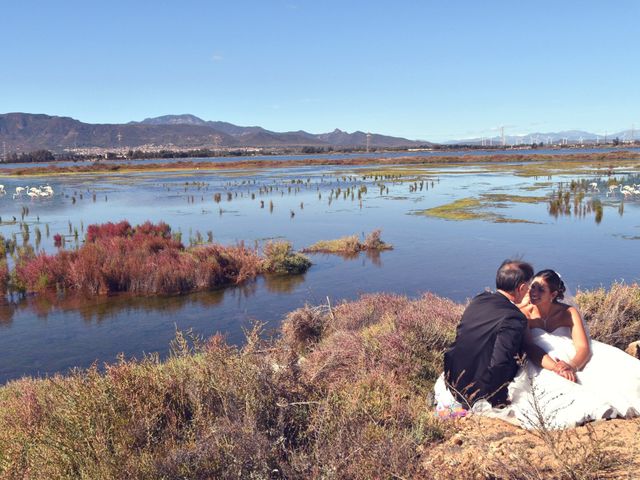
x: 568, y: 374
x: 565, y: 370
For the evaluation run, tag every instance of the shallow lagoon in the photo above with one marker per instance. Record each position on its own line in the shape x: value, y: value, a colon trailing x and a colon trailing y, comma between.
x: 451, y: 258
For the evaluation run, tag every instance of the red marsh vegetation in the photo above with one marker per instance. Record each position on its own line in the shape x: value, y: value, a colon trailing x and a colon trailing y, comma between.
x: 144, y: 260
x: 103, y: 167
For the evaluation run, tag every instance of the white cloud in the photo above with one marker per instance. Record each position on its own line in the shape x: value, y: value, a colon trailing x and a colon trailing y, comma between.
x: 217, y: 57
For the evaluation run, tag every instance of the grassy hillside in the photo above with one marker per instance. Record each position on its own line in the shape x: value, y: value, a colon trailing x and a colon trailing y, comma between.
x: 342, y: 392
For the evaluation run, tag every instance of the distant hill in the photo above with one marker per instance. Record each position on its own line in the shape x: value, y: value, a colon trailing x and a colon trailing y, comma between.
x: 26, y: 132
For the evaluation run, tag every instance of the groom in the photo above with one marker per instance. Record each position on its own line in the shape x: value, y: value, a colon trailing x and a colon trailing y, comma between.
x: 482, y: 360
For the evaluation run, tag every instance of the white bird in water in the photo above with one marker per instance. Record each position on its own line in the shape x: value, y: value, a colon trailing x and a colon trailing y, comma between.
x: 33, y: 192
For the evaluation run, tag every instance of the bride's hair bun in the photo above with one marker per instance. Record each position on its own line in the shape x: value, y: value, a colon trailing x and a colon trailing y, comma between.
x: 554, y: 281
x: 561, y: 290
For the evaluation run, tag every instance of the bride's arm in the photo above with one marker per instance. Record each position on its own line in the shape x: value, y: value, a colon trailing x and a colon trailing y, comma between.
x: 580, y: 340
x: 537, y: 354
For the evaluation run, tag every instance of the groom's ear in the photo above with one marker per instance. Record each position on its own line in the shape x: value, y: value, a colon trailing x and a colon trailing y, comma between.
x: 523, y: 288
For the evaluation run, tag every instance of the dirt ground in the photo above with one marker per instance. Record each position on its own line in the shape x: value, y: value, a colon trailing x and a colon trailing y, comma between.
x: 490, y: 448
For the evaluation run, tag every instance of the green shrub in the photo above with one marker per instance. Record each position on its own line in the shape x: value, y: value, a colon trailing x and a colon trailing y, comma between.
x: 350, y: 245
x: 280, y: 258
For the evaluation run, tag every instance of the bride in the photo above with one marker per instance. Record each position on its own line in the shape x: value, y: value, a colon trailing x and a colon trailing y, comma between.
x: 568, y: 378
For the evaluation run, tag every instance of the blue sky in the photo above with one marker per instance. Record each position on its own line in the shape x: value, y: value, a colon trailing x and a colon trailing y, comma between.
x: 419, y: 69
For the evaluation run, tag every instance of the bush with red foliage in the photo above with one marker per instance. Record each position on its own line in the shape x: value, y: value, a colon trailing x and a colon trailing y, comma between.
x: 145, y: 259
x: 108, y: 230
x: 36, y: 273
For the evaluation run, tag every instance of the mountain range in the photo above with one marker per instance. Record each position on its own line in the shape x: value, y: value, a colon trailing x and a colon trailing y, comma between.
x: 566, y: 136
x: 26, y: 132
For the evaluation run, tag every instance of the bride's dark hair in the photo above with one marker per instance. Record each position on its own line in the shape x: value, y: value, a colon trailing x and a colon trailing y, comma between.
x: 554, y: 281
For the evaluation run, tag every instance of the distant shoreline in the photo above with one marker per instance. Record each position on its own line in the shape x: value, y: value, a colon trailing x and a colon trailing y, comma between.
x: 104, y: 167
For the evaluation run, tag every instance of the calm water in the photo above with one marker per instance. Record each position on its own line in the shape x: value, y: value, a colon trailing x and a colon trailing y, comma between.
x: 42, y: 335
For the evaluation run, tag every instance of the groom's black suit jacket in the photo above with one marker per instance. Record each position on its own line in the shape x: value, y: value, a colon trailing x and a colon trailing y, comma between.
x: 482, y: 360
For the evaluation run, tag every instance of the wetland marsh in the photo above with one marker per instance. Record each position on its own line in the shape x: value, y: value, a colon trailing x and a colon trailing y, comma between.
x: 450, y: 225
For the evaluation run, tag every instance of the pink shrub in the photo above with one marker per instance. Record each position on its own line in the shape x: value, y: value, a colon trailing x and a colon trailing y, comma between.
x: 148, y: 229
x: 108, y: 230
x: 367, y: 310
x: 84, y: 274
x: 168, y: 271
x: 42, y: 272
x: 235, y: 264
x: 382, y: 332
x: 338, y: 360
x: 142, y: 260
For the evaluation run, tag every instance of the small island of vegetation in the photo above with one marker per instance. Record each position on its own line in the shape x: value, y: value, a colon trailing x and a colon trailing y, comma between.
x: 350, y: 245
x: 144, y: 260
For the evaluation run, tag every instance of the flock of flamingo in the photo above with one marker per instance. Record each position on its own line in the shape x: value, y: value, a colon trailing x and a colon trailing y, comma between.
x: 625, y: 190
x: 33, y: 192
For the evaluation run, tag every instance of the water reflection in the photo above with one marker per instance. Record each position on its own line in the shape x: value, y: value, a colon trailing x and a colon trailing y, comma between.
x: 283, y: 283
x: 101, y: 308
x: 373, y: 256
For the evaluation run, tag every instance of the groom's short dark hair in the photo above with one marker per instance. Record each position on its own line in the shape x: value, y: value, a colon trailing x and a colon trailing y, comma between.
x: 512, y: 273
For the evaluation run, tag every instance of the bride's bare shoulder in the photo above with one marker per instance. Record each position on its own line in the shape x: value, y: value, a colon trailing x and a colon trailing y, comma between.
x: 568, y: 310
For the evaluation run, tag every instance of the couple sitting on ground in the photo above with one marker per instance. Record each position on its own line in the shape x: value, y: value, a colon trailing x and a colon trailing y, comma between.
x: 523, y: 355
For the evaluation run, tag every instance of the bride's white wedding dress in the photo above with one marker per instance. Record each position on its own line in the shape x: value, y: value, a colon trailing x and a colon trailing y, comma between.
x: 607, y: 387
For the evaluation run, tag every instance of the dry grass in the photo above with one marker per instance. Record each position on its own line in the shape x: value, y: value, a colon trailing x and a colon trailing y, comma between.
x: 263, y: 411
x: 212, y: 414
x: 342, y: 393
x: 613, y: 315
